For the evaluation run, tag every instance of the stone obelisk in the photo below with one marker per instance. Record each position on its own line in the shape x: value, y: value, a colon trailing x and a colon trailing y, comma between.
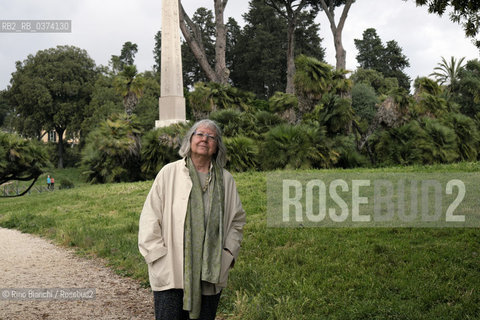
x: 171, y: 102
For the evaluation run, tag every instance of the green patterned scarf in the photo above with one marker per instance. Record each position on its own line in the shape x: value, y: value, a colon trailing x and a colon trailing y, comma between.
x: 202, y: 241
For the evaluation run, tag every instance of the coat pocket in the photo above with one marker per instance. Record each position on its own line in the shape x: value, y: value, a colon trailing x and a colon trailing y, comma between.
x: 227, y: 260
x: 159, y: 272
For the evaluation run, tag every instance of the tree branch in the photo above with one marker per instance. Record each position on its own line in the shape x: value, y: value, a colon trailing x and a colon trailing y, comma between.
x: 330, y: 14
x: 343, y: 17
x: 195, y: 43
x: 24, y: 192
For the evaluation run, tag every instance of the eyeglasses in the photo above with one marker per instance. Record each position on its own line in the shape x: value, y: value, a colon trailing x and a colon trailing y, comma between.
x: 201, y: 135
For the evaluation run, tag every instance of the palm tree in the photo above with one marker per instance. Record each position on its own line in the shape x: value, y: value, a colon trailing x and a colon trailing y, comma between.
x: 314, y: 80
x: 112, y: 151
x: 130, y: 85
x: 213, y: 96
x: 447, y: 73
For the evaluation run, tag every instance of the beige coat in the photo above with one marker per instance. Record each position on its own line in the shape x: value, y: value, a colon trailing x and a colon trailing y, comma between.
x: 161, y: 226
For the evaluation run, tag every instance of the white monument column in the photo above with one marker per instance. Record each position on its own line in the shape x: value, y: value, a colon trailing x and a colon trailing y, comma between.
x: 171, y: 102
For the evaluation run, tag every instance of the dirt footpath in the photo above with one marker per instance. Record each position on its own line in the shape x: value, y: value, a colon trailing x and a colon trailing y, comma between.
x: 29, y: 262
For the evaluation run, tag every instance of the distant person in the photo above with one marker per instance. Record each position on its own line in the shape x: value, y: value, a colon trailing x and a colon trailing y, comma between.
x: 49, y: 182
x: 52, y: 183
x: 191, y: 227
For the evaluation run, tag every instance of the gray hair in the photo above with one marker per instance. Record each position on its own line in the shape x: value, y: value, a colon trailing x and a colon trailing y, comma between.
x: 220, y: 156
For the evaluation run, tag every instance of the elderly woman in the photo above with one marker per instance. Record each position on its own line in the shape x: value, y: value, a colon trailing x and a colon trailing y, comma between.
x: 190, y: 228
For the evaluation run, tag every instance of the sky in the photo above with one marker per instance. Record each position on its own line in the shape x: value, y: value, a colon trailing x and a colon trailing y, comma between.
x: 102, y: 27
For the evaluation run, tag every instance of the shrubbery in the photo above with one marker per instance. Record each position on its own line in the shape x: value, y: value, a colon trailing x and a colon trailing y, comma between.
x: 242, y: 153
x: 112, y: 152
x: 160, y: 146
x: 66, y: 183
x: 296, y: 146
x: 331, y: 121
x: 21, y: 159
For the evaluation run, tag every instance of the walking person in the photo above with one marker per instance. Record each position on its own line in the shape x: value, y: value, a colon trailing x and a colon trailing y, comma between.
x: 49, y: 182
x: 191, y: 228
x: 52, y: 183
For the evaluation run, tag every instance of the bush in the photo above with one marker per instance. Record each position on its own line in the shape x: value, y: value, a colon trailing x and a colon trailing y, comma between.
x: 265, y: 120
x: 425, y: 141
x: 349, y: 156
x: 286, y: 105
x: 160, y: 146
x: 375, y: 79
x: 364, y: 101
x: 66, y: 183
x: 297, y: 146
x: 404, y: 145
x: 443, y: 144
x: 234, y: 122
x: 21, y: 159
x: 281, y: 102
x: 112, y: 152
x: 242, y: 153
x: 333, y: 112
x: 209, y: 97
x: 467, y: 136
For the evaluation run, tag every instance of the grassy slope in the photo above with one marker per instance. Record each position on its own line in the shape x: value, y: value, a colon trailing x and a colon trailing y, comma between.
x: 310, y: 273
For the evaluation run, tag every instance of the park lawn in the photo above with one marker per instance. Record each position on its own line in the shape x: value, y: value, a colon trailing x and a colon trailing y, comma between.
x: 289, y: 273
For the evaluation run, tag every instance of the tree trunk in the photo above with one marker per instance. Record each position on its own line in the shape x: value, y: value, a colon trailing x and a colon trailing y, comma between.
x: 291, y: 58
x: 60, y: 132
x: 221, y: 69
x: 340, y: 53
x: 194, y: 41
x: 220, y: 73
x: 130, y: 101
x: 290, y: 14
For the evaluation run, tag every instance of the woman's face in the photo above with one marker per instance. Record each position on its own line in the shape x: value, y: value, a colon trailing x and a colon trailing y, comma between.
x: 202, y: 143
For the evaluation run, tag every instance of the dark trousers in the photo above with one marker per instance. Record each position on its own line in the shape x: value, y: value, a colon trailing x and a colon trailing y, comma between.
x: 169, y: 305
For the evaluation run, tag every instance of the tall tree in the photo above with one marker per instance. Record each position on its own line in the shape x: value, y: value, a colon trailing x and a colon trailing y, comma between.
x: 260, y: 64
x: 146, y: 110
x: 126, y: 57
x: 448, y: 73
x: 4, y: 106
x: 260, y: 58
x: 370, y: 50
x: 157, y: 52
x: 193, y: 36
x: 395, y: 62
x: 328, y: 6
x: 388, y: 60
x: 130, y: 86
x: 290, y: 10
x: 192, y: 70
x: 307, y: 39
x: 104, y: 102
x: 468, y: 93
x: 50, y: 91
x: 128, y: 82
x: 234, y: 32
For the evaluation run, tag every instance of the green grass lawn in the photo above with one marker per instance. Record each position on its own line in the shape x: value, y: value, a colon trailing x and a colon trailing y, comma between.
x: 289, y: 273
